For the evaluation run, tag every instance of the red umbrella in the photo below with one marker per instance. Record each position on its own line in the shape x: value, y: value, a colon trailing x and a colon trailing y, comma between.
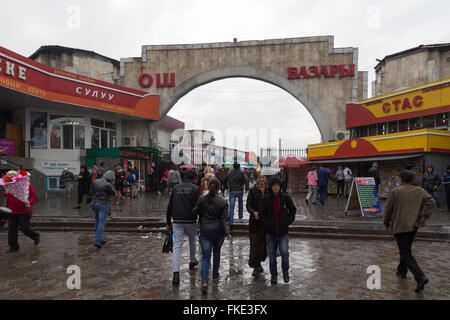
x: 291, y: 162
x: 188, y: 166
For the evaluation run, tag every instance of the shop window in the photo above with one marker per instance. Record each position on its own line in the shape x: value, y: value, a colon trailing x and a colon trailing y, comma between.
x: 363, y: 131
x: 79, y: 137
x: 97, y: 123
x: 373, y: 130
x: 95, y: 138
x: 67, y: 137
x: 66, y: 132
x: 428, y: 121
x: 112, y: 139
x: 442, y: 121
x: 415, y: 123
x: 403, y: 125
x: 110, y: 125
x: 104, y: 139
x: 393, y: 126
x: 103, y: 134
x: 52, y: 183
x: 38, y: 130
x: 382, y: 128
x: 55, y: 136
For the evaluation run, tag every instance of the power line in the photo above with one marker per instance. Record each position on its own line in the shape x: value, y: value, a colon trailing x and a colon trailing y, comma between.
x: 239, y: 92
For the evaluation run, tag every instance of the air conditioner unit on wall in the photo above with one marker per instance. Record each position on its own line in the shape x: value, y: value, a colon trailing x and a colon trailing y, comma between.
x: 129, y: 141
x: 342, y: 135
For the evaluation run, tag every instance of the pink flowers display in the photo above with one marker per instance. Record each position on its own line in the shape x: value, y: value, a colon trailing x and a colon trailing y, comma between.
x: 18, y: 183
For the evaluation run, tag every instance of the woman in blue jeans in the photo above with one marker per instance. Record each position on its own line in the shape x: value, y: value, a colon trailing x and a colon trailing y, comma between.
x: 214, y: 227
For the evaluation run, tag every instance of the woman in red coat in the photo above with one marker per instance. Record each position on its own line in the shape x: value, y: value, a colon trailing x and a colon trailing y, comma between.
x: 20, y: 219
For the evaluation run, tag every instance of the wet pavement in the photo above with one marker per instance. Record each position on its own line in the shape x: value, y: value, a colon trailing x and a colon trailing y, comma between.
x: 150, y: 205
x: 131, y: 266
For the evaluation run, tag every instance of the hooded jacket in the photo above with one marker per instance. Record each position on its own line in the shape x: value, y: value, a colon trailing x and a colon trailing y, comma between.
x: 277, y: 211
x: 182, y: 200
x: 102, y: 189
x: 213, y: 216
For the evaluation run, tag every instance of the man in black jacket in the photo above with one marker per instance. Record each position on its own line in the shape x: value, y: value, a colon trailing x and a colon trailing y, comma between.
x: 236, y: 180
x: 375, y: 173
x: 84, y: 183
x: 181, y: 204
x: 277, y: 213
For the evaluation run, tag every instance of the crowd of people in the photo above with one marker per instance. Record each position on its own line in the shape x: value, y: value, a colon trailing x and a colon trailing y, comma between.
x: 196, y: 203
x: 197, y: 208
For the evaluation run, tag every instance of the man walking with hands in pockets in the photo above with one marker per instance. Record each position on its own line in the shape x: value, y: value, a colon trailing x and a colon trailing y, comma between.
x: 406, y: 209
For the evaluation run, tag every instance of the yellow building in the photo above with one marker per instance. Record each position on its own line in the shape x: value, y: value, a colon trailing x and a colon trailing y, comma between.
x: 407, y: 128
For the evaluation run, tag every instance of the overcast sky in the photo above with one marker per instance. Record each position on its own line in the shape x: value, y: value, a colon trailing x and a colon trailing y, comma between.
x: 118, y: 29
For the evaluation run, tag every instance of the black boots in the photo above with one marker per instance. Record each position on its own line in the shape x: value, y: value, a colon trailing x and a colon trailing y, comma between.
x: 286, y: 277
x: 273, y: 279
x: 193, y: 265
x: 421, y: 284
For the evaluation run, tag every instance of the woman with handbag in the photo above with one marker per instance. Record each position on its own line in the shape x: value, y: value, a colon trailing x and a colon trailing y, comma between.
x: 214, y: 227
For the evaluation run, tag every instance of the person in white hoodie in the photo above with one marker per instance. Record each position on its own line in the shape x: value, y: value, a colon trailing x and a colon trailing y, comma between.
x: 348, y: 178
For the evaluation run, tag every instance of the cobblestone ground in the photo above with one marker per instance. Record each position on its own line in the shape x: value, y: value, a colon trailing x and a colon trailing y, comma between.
x: 151, y: 205
x: 131, y: 266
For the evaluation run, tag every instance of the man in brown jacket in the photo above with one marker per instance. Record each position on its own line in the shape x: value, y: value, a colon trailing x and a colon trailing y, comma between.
x: 407, y: 208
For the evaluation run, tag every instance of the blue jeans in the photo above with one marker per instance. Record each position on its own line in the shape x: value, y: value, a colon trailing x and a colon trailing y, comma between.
x: 100, y: 210
x: 435, y: 195
x: 281, y: 243
x: 211, y: 240
x: 323, y: 193
x: 240, y: 196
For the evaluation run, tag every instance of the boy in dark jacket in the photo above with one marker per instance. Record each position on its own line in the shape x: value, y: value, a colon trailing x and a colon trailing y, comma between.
x: 183, y: 198
x: 277, y: 213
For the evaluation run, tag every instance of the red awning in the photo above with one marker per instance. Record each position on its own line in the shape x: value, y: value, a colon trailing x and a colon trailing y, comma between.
x: 291, y: 162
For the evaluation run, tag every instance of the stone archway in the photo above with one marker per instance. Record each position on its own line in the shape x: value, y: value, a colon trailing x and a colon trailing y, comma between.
x: 268, y: 76
x: 323, y: 78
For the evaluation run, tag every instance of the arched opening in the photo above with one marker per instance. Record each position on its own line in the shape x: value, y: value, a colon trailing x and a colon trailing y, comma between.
x: 264, y: 75
x: 251, y: 107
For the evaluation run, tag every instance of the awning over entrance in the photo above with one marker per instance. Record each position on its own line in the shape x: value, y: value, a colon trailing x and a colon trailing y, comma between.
x: 368, y: 159
x: 32, y: 79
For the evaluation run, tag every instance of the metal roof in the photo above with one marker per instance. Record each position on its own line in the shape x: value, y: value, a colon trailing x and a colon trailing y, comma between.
x: 413, y: 50
x: 60, y: 49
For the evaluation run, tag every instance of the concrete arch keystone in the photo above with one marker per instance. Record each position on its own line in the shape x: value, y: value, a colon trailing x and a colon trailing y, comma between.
x: 265, y: 75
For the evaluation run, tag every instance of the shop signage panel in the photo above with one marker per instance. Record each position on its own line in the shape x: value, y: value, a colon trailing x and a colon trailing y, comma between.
x: 367, y: 195
x: 55, y: 168
x: 425, y: 100
x: 27, y: 76
x: 7, y: 147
